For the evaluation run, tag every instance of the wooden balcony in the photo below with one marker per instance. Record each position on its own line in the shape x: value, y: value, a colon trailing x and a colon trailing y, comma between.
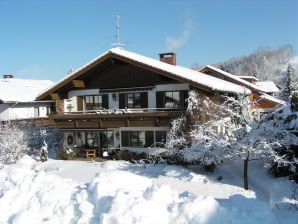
x: 95, y: 119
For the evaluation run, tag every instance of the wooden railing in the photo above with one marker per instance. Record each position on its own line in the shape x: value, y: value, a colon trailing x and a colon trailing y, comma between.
x: 124, y: 111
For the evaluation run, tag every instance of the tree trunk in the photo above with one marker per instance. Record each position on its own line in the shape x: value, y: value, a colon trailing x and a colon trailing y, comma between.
x: 245, y: 172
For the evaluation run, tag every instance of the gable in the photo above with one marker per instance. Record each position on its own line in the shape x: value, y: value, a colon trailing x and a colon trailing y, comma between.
x: 115, y: 73
x: 122, y: 69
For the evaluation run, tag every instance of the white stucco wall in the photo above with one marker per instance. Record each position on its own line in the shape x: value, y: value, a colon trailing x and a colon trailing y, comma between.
x: 82, y: 92
x: 114, y: 104
x: 22, y: 111
x: 71, y: 104
x: 4, y: 113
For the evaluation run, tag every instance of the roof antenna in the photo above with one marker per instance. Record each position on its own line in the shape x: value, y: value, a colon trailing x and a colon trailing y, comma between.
x: 69, y: 71
x: 117, y: 36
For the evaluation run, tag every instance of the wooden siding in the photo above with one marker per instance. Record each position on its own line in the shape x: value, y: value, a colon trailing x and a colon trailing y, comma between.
x: 117, y: 74
x: 264, y: 104
x: 80, y: 102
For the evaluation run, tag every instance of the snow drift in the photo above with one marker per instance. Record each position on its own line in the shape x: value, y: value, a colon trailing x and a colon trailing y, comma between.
x: 29, y: 194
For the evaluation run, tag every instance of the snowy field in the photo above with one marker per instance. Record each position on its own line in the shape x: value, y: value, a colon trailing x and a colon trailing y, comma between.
x: 121, y: 192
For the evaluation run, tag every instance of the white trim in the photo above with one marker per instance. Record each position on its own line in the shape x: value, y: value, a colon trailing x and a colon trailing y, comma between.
x: 84, y: 92
x: 171, y: 87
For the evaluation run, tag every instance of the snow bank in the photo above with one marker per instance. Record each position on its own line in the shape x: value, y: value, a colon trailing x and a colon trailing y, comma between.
x: 31, y: 195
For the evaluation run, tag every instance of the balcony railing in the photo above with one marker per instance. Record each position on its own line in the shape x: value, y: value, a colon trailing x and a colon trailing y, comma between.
x: 123, y: 111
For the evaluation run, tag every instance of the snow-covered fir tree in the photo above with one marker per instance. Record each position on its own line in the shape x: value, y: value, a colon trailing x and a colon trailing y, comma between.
x: 289, y: 85
x: 280, y: 131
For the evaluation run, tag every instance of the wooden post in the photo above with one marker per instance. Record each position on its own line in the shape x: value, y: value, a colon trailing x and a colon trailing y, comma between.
x: 245, y: 172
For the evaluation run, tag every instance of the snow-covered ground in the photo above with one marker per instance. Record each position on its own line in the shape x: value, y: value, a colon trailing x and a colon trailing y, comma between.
x: 120, y: 192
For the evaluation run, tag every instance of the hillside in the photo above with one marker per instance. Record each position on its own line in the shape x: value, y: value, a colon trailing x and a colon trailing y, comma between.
x: 264, y: 64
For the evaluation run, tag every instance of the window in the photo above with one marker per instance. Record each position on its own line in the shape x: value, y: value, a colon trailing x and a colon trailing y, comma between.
x: 161, y: 137
x: 137, y: 138
x: 172, y: 99
x: 107, y: 140
x: 133, y: 100
x: 92, y: 139
x: 96, y: 102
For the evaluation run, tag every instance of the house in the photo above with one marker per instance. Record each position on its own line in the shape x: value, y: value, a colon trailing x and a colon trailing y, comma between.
x: 262, y: 97
x: 125, y: 100
x: 17, y: 99
x: 268, y: 87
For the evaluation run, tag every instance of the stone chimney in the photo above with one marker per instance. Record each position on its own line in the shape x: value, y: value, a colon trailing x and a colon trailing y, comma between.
x: 169, y: 58
x: 7, y: 76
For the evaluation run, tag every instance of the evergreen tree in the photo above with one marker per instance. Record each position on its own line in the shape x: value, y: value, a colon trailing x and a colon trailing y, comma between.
x: 294, y: 101
x: 288, y: 89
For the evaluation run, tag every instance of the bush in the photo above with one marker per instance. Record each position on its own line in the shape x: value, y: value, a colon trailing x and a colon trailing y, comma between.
x: 130, y: 156
x: 65, y: 155
x: 13, y: 143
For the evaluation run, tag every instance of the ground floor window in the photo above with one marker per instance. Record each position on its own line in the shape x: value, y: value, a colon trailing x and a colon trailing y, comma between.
x: 140, y: 139
x: 137, y: 138
x: 160, y: 137
x: 100, y: 140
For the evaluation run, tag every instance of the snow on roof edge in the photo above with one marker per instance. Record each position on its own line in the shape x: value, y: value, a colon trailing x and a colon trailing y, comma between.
x: 233, y: 77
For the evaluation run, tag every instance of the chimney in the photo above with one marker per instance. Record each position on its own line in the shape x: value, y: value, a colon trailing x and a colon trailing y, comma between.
x: 169, y: 58
x: 7, y: 76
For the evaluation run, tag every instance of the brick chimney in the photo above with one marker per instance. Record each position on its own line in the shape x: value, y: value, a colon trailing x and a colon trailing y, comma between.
x: 7, y: 76
x: 169, y: 58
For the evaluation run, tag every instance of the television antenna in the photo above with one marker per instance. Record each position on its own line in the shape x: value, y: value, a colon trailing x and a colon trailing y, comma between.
x: 117, y: 36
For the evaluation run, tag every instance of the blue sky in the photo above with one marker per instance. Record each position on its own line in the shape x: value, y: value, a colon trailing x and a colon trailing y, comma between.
x: 42, y: 39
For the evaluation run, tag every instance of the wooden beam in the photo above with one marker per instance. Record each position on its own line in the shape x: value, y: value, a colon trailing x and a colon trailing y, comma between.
x: 78, y: 83
x: 55, y: 96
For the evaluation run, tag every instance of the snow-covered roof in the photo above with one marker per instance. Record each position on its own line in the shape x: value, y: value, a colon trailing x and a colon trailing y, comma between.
x: 21, y: 90
x: 233, y: 77
x: 247, y: 77
x: 268, y: 86
x: 176, y: 72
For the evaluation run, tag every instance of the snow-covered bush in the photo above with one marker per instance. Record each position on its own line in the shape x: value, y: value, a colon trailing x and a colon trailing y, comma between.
x: 176, y: 138
x: 13, y: 143
x: 204, y: 153
x: 209, y: 123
